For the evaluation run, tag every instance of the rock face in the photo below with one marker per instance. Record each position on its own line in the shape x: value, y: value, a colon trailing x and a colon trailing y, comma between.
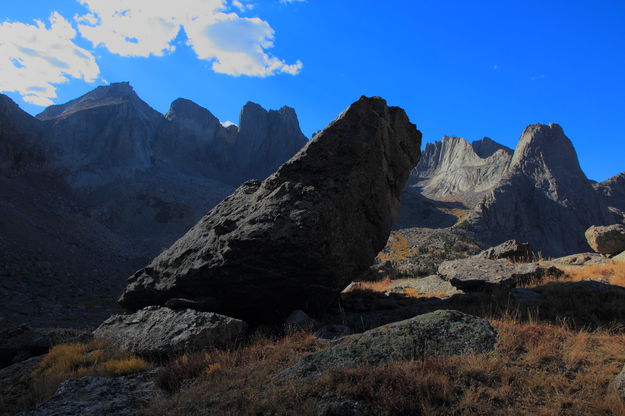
x: 155, y: 331
x: 511, y: 250
x: 608, y: 240
x: 100, y: 396
x: 454, y: 168
x: 439, y: 333
x: 296, y: 239
x: 20, y: 140
x: 613, y: 192
x: 478, y: 274
x: 544, y: 197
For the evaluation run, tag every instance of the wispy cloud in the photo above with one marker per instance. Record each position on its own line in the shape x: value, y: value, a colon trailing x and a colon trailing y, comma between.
x: 537, y: 77
x: 33, y: 57
x: 235, y: 45
x: 292, y: 1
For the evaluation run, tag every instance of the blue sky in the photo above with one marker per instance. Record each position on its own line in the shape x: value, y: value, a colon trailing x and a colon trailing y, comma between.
x: 469, y: 69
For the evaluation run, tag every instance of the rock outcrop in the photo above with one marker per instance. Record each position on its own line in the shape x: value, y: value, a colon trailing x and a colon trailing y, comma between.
x: 544, y: 197
x: 480, y: 274
x: 161, y: 332
x: 439, y: 333
x: 509, y: 250
x: 608, y: 240
x: 100, y: 396
x: 296, y: 239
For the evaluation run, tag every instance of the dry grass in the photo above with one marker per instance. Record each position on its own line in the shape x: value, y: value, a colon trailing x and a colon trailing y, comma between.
x: 613, y: 274
x: 95, y: 358
x: 398, y: 248
x: 536, y: 369
x: 379, y: 286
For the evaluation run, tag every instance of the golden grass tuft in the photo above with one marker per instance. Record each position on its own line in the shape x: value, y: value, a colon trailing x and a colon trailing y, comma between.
x: 95, y: 358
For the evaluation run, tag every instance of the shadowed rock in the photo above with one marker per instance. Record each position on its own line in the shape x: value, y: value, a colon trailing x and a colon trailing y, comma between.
x: 439, y: 333
x: 296, y: 239
x: 155, y: 331
x: 100, y: 396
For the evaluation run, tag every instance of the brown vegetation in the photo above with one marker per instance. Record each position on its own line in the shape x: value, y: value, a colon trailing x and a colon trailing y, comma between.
x: 95, y: 358
x: 536, y: 369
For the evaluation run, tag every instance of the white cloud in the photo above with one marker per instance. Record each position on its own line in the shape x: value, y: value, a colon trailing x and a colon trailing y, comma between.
x: 292, y: 1
x: 228, y: 124
x: 235, y: 45
x: 33, y: 57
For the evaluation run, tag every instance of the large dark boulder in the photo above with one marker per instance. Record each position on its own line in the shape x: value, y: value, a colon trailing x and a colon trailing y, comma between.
x: 296, y: 239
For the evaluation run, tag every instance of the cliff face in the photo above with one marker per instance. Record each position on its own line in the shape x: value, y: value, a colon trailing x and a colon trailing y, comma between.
x: 102, y: 136
x: 544, y: 197
x: 21, y: 147
x: 613, y: 192
x: 451, y: 167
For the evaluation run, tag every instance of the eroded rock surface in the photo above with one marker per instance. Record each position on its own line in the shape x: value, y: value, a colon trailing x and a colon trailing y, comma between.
x: 478, y: 274
x: 155, y: 331
x: 439, y: 333
x: 510, y: 250
x: 296, y: 239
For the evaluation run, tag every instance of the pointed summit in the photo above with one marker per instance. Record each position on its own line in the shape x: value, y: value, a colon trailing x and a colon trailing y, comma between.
x: 544, y: 198
x: 113, y: 94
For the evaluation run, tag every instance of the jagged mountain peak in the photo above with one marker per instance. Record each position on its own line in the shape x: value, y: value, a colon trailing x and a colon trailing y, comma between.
x: 112, y: 94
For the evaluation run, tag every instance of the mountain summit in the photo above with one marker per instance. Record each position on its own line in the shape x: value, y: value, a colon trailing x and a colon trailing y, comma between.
x: 543, y: 198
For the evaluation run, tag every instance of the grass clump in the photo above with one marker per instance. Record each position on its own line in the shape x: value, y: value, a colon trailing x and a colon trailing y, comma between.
x: 95, y: 358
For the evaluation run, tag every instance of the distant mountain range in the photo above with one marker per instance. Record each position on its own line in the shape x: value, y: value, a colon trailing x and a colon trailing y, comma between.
x: 536, y: 193
x: 92, y: 189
